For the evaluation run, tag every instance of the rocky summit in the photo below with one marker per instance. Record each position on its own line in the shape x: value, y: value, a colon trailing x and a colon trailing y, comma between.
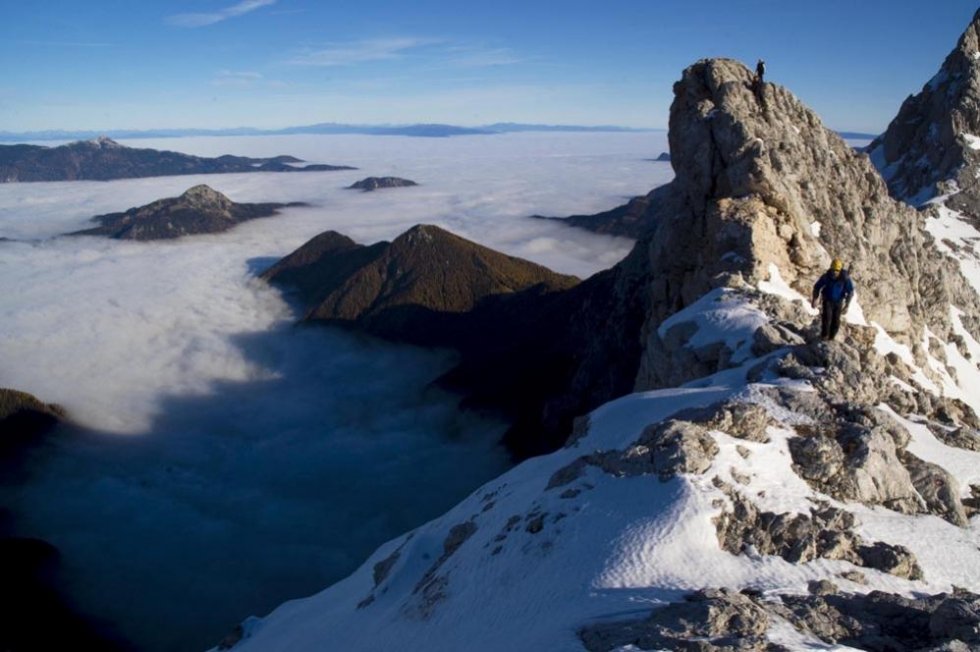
x: 374, y: 183
x: 759, y: 489
x: 103, y: 159
x: 932, y: 147
x: 930, y: 154
x: 200, y: 209
x: 765, y: 193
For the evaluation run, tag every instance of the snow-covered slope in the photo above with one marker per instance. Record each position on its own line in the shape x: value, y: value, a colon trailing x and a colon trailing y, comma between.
x: 762, y: 490
x: 651, y: 503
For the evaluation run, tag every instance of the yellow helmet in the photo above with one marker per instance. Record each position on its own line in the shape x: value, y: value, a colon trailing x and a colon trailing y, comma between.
x: 837, y: 265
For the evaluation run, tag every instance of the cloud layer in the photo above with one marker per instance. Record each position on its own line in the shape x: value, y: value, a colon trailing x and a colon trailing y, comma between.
x: 244, y: 461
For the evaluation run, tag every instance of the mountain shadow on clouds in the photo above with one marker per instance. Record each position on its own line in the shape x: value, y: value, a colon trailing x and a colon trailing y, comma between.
x: 254, y: 491
x: 36, y: 612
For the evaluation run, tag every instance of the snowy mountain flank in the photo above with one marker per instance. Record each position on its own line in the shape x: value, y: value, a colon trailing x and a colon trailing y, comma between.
x: 760, y: 489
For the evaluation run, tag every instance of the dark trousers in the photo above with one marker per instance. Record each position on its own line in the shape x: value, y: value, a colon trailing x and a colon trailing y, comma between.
x: 830, y: 320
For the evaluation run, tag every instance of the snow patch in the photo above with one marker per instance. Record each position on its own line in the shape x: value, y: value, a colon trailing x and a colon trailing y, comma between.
x: 972, y: 141
x: 957, y: 237
x: 720, y: 316
x: 776, y: 285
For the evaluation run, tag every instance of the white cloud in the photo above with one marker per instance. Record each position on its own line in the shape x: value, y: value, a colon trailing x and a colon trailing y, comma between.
x: 439, y: 51
x: 343, y: 54
x: 221, y: 419
x: 203, y: 19
x: 236, y: 78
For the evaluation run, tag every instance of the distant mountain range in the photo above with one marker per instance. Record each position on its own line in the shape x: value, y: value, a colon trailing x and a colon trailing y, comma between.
x: 434, y: 130
x: 102, y: 159
x: 419, y: 130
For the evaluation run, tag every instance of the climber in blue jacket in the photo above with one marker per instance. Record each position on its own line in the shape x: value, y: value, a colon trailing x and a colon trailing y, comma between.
x: 836, y: 289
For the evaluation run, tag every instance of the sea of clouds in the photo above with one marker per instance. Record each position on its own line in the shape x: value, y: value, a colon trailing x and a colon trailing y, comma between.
x: 233, y: 459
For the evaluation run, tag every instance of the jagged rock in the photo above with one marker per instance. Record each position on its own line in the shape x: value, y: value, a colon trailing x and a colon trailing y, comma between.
x: 971, y: 505
x: 711, y: 620
x: 797, y: 538
x: 770, y: 337
x: 957, y: 617
x: 896, y: 560
x: 383, y: 567
x: 929, y: 148
x: 856, y: 462
x: 821, y: 587
x: 374, y: 183
x: 938, y: 488
x: 200, y: 209
x: 665, y: 449
x: 885, y: 622
x: 735, y: 418
x: 679, y: 447
x: 432, y: 588
x: 854, y: 576
x: 827, y: 533
x: 753, y: 172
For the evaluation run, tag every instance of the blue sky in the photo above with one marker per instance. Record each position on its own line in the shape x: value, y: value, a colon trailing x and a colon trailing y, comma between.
x: 118, y: 64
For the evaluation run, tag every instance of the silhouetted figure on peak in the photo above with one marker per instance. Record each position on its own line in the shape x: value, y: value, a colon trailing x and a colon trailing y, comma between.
x: 760, y: 71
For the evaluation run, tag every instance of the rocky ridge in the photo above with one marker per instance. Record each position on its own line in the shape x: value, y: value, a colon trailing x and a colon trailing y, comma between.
x: 200, y: 209
x: 631, y: 220
x: 763, y: 490
x: 103, y: 159
x: 930, y: 149
x: 930, y: 153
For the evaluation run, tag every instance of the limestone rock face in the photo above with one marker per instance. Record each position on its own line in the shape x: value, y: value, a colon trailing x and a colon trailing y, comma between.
x: 709, y: 620
x: 760, y: 182
x: 930, y: 148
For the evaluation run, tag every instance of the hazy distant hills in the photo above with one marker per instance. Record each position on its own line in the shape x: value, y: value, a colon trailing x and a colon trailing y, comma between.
x: 434, y: 130
x: 102, y: 159
x: 199, y: 210
x: 427, y: 130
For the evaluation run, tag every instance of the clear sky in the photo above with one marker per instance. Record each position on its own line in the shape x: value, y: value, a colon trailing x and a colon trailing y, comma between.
x: 120, y: 64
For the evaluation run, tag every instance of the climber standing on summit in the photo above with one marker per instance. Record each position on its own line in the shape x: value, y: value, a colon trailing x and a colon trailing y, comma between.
x: 836, y: 289
x: 758, y: 83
